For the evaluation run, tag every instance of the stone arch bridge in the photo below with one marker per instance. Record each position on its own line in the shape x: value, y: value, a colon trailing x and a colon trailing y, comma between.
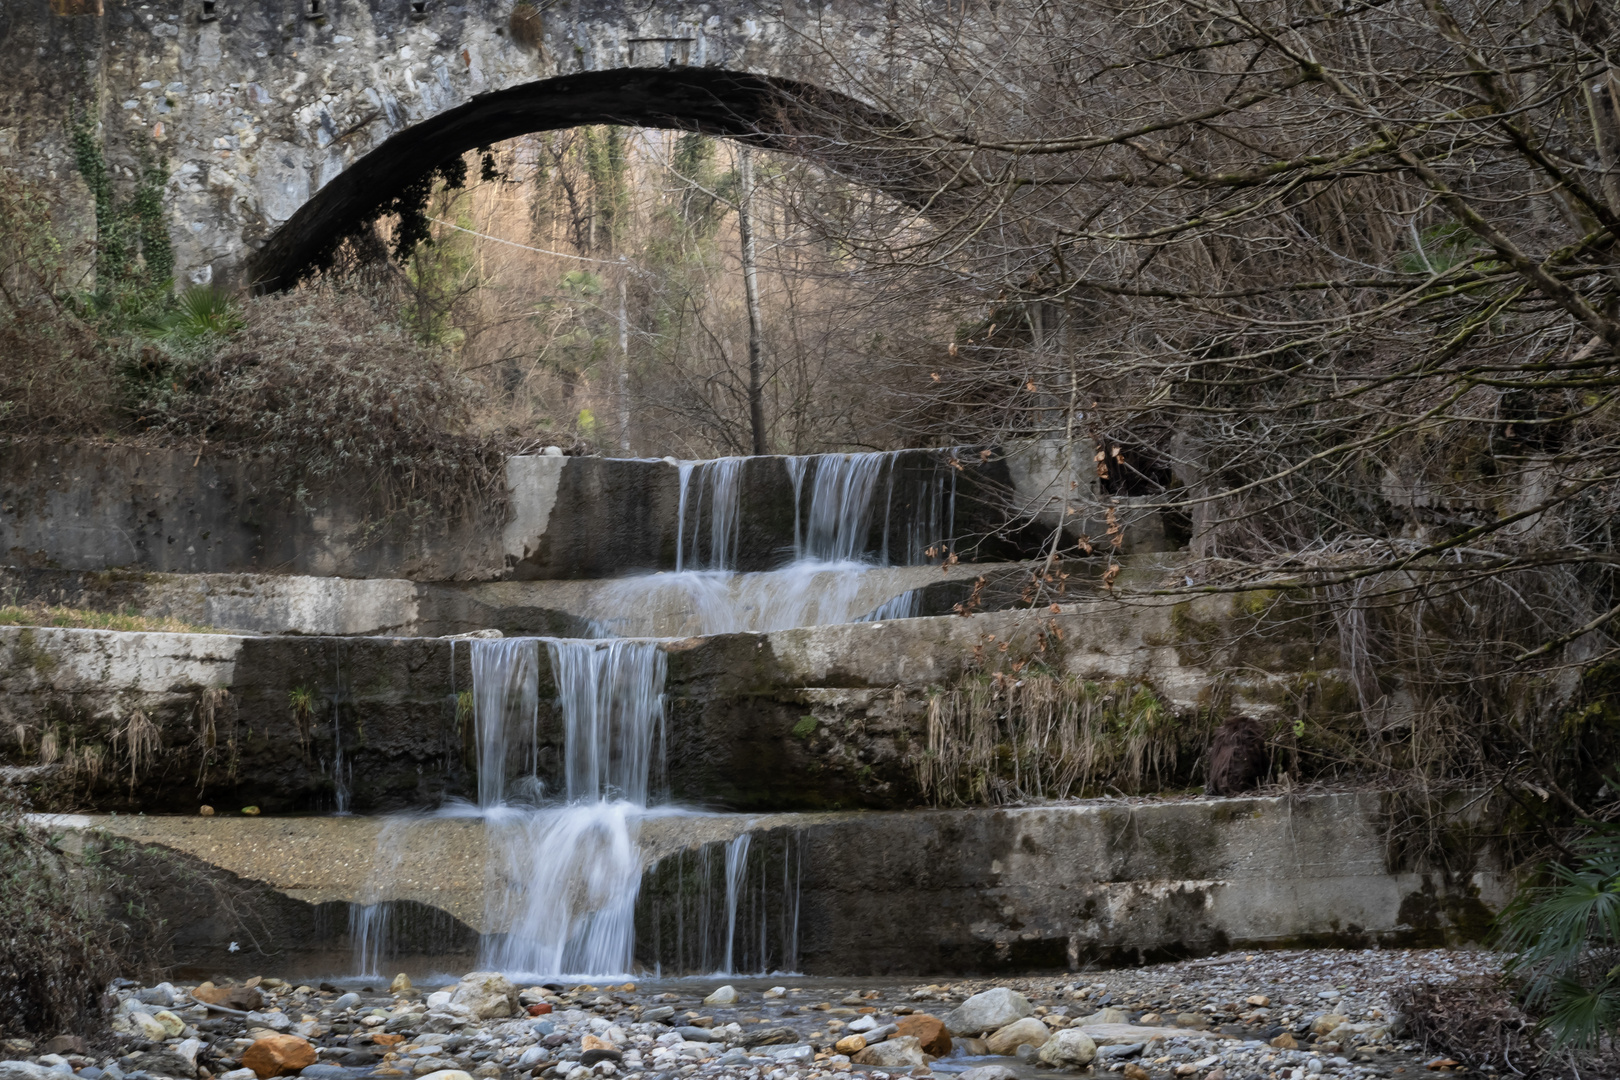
x: 282, y: 121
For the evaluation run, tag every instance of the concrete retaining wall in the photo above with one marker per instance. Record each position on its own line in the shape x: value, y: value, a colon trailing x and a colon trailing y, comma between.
x: 1014, y: 890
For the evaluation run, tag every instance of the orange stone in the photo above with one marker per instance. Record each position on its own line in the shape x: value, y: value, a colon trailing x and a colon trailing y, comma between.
x: 278, y: 1055
x: 388, y: 1039
x: 928, y: 1030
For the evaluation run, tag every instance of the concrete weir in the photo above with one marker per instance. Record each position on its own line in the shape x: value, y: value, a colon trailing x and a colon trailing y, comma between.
x: 829, y: 713
x: 1052, y: 887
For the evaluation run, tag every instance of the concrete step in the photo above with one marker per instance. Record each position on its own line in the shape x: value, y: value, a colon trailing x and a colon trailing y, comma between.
x: 647, y: 605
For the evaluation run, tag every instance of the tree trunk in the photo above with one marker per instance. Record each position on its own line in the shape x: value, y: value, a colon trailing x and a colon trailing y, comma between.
x: 624, y: 362
x: 745, y: 227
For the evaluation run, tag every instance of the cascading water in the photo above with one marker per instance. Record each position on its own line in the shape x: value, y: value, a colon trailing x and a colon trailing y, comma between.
x: 727, y: 907
x: 837, y: 539
x: 565, y: 867
x: 736, y: 866
x: 567, y: 874
x: 719, y: 480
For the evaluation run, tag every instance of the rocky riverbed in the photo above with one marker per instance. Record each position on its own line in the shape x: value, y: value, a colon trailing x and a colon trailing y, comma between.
x: 1294, y: 1015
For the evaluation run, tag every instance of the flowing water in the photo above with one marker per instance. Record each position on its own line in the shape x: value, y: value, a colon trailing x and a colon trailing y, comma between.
x: 565, y: 867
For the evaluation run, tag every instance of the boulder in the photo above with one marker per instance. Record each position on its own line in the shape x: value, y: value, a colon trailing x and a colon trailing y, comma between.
x: 274, y: 1020
x: 148, y: 1026
x: 278, y: 1055
x: 488, y: 995
x: 927, y: 1030
x: 1070, y: 1048
x: 164, y: 1061
x: 241, y: 998
x: 401, y: 983
x: 1327, y: 1022
x: 850, y: 1044
x: 989, y: 1072
x: 593, y: 1049
x: 901, y: 1053
x: 1123, y: 1034
x: 65, y: 1044
x: 995, y: 1008
x: 770, y: 1036
x: 1026, y: 1032
x: 1102, y: 1016
x: 171, y: 1023
x: 26, y: 1070
x: 726, y: 995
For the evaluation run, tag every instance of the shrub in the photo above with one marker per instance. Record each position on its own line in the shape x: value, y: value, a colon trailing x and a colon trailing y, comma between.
x: 55, y: 374
x: 326, y: 379
x: 1565, y: 941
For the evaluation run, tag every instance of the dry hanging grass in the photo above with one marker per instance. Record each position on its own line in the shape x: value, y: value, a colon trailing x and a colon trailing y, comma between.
x: 1003, y: 738
x: 142, y: 743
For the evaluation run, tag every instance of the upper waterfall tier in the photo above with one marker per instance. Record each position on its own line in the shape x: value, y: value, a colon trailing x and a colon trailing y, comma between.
x: 76, y: 507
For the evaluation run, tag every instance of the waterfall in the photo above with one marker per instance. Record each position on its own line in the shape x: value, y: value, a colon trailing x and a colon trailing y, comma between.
x: 840, y: 512
x: 729, y: 907
x: 341, y: 769
x: 612, y: 698
x: 736, y: 867
x: 837, y: 538
x: 564, y: 867
x: 718, y: 479
x: 563, y: 878
x: 506, y: 711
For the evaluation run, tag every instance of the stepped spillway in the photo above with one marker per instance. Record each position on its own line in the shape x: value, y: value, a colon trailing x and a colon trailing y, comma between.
x: 642, y: 755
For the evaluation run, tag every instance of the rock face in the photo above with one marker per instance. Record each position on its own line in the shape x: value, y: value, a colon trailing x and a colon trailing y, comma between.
x: 988, y: 1011
x: 278, y: 1055
x: 1069, y: 1048
x: 488, y: 994
x: 897, y: 1053
x: 929, y: 1031
x: 1026, y: 1032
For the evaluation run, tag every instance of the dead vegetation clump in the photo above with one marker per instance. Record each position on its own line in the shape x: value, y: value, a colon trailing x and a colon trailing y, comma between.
x: 1003, y: 738
x: 57, y: 948
x: 1482, y: 1024
x: 325, y: 380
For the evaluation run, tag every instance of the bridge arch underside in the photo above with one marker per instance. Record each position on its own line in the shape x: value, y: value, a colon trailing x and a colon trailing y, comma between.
x: 767, y: 112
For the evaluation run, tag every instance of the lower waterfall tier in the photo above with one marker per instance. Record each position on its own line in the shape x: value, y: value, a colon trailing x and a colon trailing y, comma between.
x: 919, y: 892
